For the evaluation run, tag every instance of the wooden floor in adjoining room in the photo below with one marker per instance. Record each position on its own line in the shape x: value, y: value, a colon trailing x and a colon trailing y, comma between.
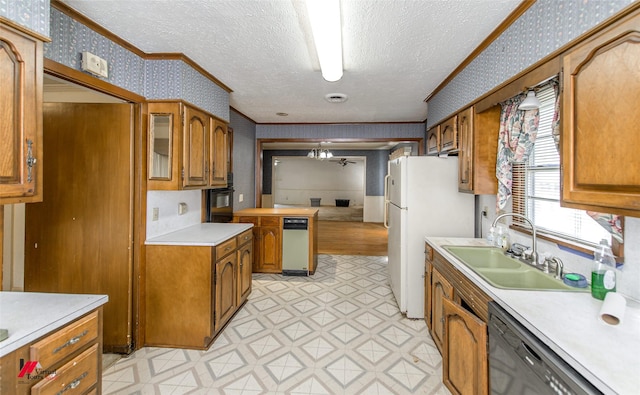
x: 352, y: 238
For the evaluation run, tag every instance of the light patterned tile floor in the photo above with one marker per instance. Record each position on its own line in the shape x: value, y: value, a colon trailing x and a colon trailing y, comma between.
x: 336, y: 332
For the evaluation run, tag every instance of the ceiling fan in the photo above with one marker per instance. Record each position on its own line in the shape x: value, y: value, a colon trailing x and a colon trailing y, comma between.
x: 343, y: 161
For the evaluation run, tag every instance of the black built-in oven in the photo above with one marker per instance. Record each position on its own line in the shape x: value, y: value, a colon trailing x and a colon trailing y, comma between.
x: 220, y: 204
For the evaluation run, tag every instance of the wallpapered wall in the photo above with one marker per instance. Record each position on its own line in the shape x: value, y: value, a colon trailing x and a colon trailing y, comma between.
x: 543, y: 28
x: 320, y: 131
x: 153, y: 79
x: 32, y: 14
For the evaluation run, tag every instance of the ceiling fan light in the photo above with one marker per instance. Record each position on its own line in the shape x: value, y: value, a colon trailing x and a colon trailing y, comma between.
x: 323, y: 155
x: 329, y: 154
x: 311, y: 154
x: 326, y: 27
x: 531, y: 102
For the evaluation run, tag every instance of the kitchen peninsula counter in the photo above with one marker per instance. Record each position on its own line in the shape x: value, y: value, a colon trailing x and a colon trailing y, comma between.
x: 268, y: 235
x: 51, y: 335
x: 31, y: 315
x: 204, y: 234
x: 567, y: 322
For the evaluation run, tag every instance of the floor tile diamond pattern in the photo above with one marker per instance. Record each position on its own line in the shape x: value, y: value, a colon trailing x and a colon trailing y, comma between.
x: 336, y: 332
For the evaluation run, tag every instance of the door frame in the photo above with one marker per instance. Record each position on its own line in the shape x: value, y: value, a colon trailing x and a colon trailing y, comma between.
x: 138, y: 214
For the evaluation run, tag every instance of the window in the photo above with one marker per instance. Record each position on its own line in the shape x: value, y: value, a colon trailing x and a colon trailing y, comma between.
x: 536, y: 188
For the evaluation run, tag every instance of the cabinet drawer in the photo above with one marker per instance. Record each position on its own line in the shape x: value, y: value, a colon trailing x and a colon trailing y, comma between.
x: 225, y: 248
x: 248, y: 220
x: 74, y: 377
x: 245, y: 237
x: 269, y: 221
x: 65, y: 342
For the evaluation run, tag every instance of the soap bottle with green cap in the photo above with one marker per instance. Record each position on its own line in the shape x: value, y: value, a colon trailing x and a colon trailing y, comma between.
x: 603, y: 273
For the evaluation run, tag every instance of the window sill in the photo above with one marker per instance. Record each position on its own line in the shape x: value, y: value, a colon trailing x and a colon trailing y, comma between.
x: 572, y: 247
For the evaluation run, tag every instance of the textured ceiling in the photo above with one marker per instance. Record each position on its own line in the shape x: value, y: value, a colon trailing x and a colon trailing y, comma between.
x: 396, y: 52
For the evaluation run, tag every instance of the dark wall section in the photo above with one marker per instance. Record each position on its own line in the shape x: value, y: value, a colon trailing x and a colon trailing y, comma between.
x: 376, y: 167
x: 244, y: 160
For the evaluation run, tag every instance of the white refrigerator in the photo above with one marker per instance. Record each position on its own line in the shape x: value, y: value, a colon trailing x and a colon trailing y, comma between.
x: 422, y: 199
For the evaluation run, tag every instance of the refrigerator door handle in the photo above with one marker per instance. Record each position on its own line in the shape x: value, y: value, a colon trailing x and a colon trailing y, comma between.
x: 385, y: 221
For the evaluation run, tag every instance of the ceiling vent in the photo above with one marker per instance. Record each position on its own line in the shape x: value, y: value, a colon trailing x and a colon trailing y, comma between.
x: 336, y: 97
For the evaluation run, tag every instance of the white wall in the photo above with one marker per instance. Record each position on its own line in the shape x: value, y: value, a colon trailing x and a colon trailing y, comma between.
x: 167, y: 203
x: 298, y: 179
x: 373, y: 209
x: 628, y: 277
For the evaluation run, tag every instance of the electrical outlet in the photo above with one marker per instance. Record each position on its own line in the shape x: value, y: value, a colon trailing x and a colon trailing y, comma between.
x: 485, y: 211
x: 182, y: 208
x: 156, y: 214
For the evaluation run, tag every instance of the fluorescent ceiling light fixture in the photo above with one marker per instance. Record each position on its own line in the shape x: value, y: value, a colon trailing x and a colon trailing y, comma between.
x: 326, y: 26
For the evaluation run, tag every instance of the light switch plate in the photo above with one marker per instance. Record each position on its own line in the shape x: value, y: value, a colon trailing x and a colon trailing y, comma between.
x: 182, y: 208
x: 156, y: 214
x: 240, y: 198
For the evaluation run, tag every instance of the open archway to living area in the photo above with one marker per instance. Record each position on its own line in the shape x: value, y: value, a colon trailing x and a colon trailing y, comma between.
x: 373, y: 155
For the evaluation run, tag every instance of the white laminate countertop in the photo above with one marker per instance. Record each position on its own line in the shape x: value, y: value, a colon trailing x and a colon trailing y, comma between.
x: 204, y: 234
x: 608, y: 356
x: 31, y: 315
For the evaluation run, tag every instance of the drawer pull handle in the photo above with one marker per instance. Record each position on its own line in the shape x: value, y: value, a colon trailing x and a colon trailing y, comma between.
x: 74, y: 384
x: 71, y: 341
x: 228, y: 248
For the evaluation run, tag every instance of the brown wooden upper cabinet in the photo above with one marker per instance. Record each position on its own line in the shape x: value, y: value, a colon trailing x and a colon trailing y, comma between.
x: 21, y: 129
x: 449, y: 135
x: 187, y: 148
x: 600, y: 118
x: 433, y: 140
x: 478, y: 134
x: 443, y: 138
x: 218, y: 146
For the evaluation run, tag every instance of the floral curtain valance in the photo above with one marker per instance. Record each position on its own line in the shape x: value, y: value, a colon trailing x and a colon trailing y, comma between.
x: 518, y: 130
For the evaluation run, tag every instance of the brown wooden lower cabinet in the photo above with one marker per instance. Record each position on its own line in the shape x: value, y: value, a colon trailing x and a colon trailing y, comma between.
x: 73, y: 353
x: 458, y: 325
x: 193, y: 291
x: 267, y: 236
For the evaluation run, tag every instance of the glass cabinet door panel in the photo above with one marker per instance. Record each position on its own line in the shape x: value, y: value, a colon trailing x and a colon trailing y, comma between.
x: 160, y: 126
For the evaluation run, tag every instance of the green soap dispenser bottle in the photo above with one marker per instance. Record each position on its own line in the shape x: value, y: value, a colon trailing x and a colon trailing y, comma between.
x: 603, y: 274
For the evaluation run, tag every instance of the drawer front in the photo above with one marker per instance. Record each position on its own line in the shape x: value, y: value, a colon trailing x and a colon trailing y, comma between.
x: 245, y: 237
x: 248, y: 220
x: 74, y: 377
x: 65, y: 341
x: 225, y: 248
x: 269, y: 221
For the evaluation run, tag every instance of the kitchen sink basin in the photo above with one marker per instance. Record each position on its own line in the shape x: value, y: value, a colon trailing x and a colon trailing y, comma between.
x: 506, y: 272
x: 483, y: 257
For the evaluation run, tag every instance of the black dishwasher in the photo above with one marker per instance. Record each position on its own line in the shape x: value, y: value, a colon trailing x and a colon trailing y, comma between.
x: 519, y: 363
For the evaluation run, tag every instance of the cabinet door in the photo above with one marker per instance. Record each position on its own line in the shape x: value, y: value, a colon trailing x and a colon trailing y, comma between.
x: 600, y: 139
x: 218, y: 148
x: 464, y: 356
x: 449, y: 135
x: 245, y: 268
x: 465, y: 152
x: 428, y: 294
x: 441, y: 289
x: 21, y: 127
x: 165, y: 126
x: 433, y: 140
x: 196, y: 153
x: 270, y: 250
x: 225, y: 290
